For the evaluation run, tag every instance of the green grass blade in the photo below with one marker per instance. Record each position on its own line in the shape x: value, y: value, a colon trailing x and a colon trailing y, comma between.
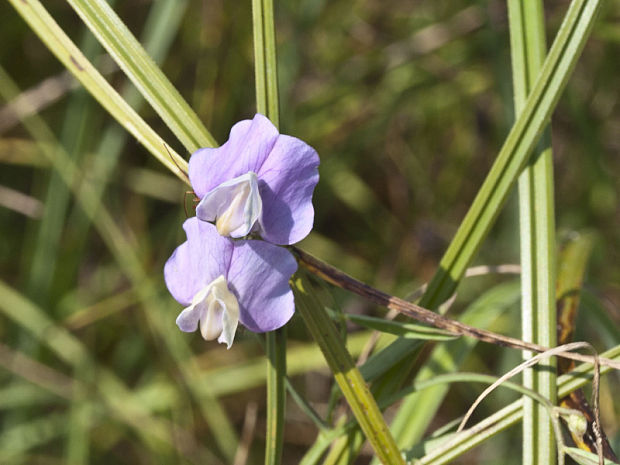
x: 260, y: 67
x: 585, y: 458
x: 144, y: 73
x: 271, y: 63
x: 69, y: 349
x: 57, y: 196
x: 18, y: 394
x: 513, y: 155
x: 80, y: 420
x: 343, y: 450
x: 419, y: 409
x: 125, y: 254
x: 398, y: 328
x: 537, y: 232
x: 160, y: 28
x: 509, y: 415
x: 65, y: 50
x: 16, y: 441
x: 265, y: 60
x: 346, y: 374
x: 515, y: 152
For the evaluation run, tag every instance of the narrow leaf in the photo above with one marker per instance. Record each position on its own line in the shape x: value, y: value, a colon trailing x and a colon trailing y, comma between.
x: 148, y: 78
x: 65, y: 50
x: 583, y: 457
x: 406, y: 330
x: 346, y: 374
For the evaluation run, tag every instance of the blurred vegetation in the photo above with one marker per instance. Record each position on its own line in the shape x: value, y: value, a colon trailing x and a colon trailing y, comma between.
x: 407, y: 103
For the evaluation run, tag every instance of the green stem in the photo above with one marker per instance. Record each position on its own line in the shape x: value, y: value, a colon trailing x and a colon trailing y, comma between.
x: 259, y: 56
x: 276, y: 395
x: 537, y: 232
x: 266, y: 63
x: 346, y: 374
x: 266, y: 78
x: 271, y: 69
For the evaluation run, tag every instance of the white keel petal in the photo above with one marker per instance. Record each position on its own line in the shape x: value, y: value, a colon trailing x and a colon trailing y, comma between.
x: 234, y: 205
x: 217, y: 311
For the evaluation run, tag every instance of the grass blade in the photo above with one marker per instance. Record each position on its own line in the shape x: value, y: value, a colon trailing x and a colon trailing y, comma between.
x: 398, y: 328
x: 515, y: 152
x: 537, y: 232
x: 125, y: 254
x: 418, y: 410
x: 509, y: 415
x: 160, y: 28
x: 65, y: 50
x: 346, y: 374
x: 513, y: 155
x: 144, y: 73
x: 276, y: 395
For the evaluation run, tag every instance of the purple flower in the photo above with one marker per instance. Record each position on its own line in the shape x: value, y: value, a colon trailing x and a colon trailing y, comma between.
x: 222, y: 282
x: 258, y: 181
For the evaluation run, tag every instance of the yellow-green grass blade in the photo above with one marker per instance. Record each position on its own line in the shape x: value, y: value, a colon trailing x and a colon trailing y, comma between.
x: 125, y: 253
x: 148, y: 78
x: 346, y: 374
x: 65, y: 50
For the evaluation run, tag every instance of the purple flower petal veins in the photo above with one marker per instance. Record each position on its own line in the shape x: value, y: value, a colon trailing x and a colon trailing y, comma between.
x: 258, y: 181
x: 222, y: 282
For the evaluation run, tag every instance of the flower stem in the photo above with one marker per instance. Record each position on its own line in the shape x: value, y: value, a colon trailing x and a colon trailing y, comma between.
x: 276, y: 395
x: 265, y: 60
x: 266, y: 77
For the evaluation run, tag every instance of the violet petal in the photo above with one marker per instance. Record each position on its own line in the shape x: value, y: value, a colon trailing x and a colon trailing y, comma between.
x: 259, y: 274
x: 286, y: 182
x: 248, y: 146
x: 198, y: 261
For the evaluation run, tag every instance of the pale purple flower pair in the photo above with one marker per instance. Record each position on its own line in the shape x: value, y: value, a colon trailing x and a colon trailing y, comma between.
x: 258, y: 183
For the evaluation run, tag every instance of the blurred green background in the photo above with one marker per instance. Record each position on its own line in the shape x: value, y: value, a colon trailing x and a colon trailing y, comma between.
x: 407, y: 103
